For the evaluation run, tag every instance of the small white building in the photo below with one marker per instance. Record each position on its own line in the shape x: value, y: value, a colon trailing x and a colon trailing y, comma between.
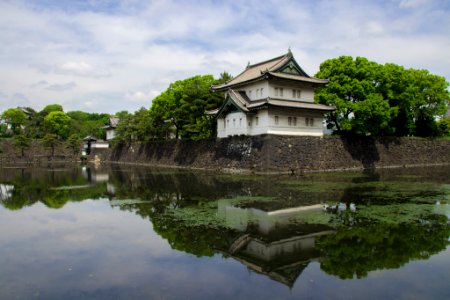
x: 91, y: 142
x: 111, y: 127
x: 271, y: 97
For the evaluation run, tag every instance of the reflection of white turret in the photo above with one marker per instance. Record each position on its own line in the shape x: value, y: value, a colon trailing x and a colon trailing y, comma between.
x: 100, y: 177
x: 271, y: 246
x: 110, y: 189
x: 442, y: 209
x: 93, y: 176
x: 282, y: 260
x: 5, y: 191
x: 238, y: 218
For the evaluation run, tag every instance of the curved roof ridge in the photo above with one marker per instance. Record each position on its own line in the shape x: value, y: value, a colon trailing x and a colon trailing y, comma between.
x: 270, y: 60
x: 272, y: 66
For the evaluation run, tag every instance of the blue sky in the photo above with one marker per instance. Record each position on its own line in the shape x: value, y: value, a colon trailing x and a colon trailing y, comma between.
x: 107, y: 56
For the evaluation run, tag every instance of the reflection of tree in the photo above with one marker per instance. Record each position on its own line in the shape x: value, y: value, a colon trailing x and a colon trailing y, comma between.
x: 197, y: 240
x: 32, y: 185
x: 357, y: 251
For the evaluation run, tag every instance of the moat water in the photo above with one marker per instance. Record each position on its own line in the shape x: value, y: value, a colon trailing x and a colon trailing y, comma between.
x: 123, y: 232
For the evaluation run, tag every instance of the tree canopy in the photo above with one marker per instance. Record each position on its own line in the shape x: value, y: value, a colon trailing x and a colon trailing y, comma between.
x: 371, y: 99
x: 183, y: 106
x: 52, y: 107
x: 58, y: 123
x: 15, y: 117
x: 374, y: 99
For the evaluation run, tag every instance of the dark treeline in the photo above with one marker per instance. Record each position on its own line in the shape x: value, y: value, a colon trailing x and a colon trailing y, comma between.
x: 51, y: 125
x: 178, y: 112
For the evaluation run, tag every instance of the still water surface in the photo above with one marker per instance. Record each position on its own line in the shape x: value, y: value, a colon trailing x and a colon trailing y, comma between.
x: 120, y: 232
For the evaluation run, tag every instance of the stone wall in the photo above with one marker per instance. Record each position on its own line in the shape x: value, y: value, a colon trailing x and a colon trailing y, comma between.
x: 36, y: 154
x: 268, y: 153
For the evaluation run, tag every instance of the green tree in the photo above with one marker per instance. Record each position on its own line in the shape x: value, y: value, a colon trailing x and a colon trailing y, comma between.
x: 444, y: 126
x: 16, y: 118
x: 51, y: 108
x: 124, y: 131
x: 58, y: 123
x: 73, y: 143
x: 373, y: 99
x: 50, y: 141
x: 3, y: 130
x: 372, y: 116
x: 354, y: 252
x: 224, y: 77
x: 84, y: 124
x: 34, y: 125
x: 22, y: 143
x: 392, y: 85
x: 352, y: 90
x: 429, y: 96
x: 142, y: 122
x: 183, y: 105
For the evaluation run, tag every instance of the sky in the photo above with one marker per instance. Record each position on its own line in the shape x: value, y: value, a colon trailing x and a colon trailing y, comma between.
x: 108, y: 56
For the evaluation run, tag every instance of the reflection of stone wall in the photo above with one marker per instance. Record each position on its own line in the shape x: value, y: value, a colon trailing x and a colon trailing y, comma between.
x: 36, y: 154
x: 285, y: 154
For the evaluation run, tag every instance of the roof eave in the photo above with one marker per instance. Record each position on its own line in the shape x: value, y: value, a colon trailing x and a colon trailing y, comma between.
x: 231, y: 86
x: 312, y: 80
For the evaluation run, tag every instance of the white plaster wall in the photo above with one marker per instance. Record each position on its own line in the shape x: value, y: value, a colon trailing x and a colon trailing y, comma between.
x: 220, y: 127
x: 263, y: 123
x: 307, y: 91
x: 110, y: 134
x: 236, y: 124
x: 283, y: 127
x: 253, y: 87
x: 266, y: 123
x: 99, y: 145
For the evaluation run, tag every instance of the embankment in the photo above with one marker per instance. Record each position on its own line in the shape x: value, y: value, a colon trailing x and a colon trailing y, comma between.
x: 269, y: 153
x: 37, y: 153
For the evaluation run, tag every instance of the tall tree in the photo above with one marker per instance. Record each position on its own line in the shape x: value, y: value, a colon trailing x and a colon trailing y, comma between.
x: 73, y: 143
x: 125, y: 130
x: 16, y: 118
x: 183, y: 105
x: 224, y: 77
x: 50, y: 108
x: 83, y: 124
x: 429, y: 96
x: 374, y: 99
x: 353, y: 92
x: 58, y: 123
x: 50, y: 141
x: 22, y: 142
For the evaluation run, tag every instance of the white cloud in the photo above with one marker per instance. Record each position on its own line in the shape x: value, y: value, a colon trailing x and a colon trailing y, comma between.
x: 374, y: 28
x: 412, y: 3
x: 141, y: 97
x: 88, y: 104
x: 80, y: 68
x: 61, y: 87
x: 107, y: 58
x: 20, y: 100
x: 39, y: 84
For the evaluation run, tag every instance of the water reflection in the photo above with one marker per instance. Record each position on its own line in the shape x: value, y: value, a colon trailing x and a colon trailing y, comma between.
x: 6, y: 191
x: 275, y: 227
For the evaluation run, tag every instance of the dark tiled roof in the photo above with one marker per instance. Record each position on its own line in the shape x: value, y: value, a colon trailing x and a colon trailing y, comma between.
x: 114, y: 121
x: 298, y: 77
x: 291, y: 104
x: 269, y: 67
x: 241, y: 101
